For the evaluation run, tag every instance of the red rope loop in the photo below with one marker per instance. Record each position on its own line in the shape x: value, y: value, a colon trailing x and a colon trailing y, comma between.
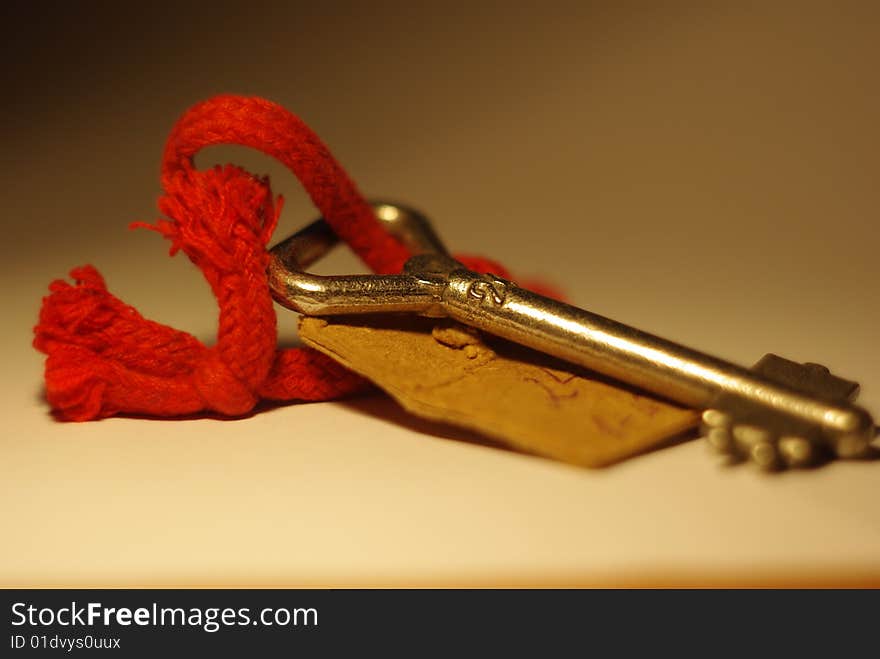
x: 104, y: 358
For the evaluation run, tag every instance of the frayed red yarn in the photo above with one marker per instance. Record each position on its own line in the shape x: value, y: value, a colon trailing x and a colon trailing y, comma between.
x: 104, y: 358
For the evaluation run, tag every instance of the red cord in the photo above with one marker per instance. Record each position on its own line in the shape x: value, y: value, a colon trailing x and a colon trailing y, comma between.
x: 104, y: 358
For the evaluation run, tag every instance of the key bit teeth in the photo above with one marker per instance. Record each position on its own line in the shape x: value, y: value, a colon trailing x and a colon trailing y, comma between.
x: 756, y: 444
x: 795, y: 451
x: 748, y: 436
x: 716, y: 429
x: 716, y: 419
x: 763, y: 454
x: 720, y: 440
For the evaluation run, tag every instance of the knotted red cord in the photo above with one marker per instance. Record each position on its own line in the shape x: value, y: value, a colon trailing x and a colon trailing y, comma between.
x: 104, y: 358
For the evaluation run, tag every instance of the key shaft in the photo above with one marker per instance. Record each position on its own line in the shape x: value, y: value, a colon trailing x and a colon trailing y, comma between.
x: 635, y: 357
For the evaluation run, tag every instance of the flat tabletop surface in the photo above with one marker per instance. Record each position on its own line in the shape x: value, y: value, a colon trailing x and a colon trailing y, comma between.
x: 707, y: 175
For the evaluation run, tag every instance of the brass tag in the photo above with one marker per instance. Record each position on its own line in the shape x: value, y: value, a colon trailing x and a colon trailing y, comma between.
x: 448, y: 372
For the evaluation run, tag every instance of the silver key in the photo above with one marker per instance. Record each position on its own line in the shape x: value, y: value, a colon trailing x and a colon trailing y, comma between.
x: 780, y: 413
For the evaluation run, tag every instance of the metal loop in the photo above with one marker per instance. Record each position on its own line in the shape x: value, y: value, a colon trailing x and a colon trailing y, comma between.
x: 314, y: 294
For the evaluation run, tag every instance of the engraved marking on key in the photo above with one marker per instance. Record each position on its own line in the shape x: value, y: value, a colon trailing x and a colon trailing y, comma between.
x: 489, y: 290
x: 779, y: 414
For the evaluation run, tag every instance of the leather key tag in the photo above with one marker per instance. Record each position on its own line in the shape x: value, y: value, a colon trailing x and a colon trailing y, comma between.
x: 447, y: 372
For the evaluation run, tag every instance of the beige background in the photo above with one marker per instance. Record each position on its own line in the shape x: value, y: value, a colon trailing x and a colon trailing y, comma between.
x: 705, y: 173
